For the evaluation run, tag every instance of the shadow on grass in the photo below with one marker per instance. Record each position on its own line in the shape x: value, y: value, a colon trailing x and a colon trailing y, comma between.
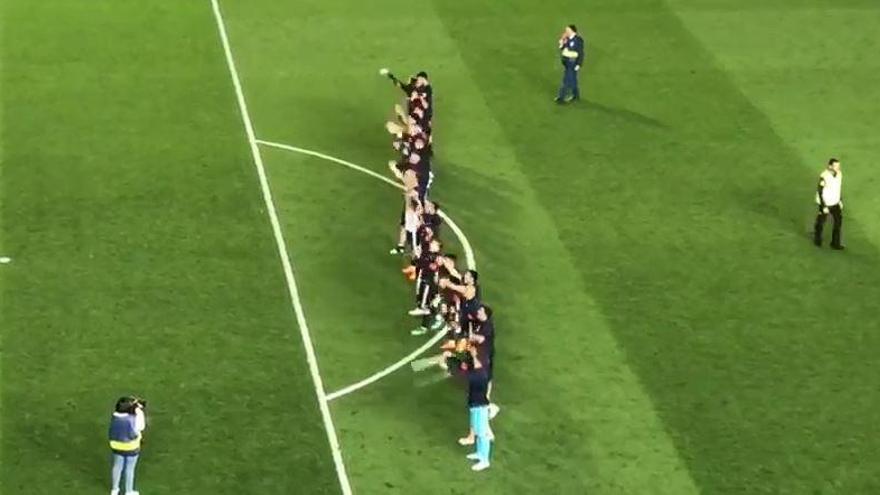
x: 618, y: 113
x: 543, y: 83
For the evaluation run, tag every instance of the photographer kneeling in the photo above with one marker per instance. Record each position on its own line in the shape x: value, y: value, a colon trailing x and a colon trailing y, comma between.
x: 126, y: 427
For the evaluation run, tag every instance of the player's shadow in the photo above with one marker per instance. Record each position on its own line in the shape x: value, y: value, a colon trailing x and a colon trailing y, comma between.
x: 481, y: 206
x: 787, y: 200
x: 793, y: 211
x: 546, y: 84
x: 618, y: 113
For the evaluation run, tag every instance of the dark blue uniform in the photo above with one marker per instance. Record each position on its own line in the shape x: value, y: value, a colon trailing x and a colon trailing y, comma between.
x: 469, y: 309
x: 572, y: 52
x: 478, y: 388
x: 486, y: 350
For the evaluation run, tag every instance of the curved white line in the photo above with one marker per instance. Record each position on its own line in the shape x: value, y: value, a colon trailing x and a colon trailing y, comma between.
x: 387, y: 371
x: 331, y: 159
x: 468, y: 252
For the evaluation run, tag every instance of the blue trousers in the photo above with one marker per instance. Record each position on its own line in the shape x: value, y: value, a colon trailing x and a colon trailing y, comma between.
x: 569, y: 83
x: 126, y: 464
x: 480, y: 425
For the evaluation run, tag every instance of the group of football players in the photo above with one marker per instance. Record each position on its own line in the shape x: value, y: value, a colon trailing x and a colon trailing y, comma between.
x: 447, y: 299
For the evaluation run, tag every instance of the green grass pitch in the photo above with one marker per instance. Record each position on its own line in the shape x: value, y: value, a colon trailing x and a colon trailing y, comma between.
x: 665, y: 325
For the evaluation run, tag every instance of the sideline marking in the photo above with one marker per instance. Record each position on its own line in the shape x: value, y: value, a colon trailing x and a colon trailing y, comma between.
x: 280, y: 244
x: 469, y: 255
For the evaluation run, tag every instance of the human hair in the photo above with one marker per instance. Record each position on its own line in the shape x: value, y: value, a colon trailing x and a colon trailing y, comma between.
x: 422, y: 74
x: 832, y: 161
x: 474, y: 276
x: 488, y: 311
x: 573, y: 27
x: 125, y: 405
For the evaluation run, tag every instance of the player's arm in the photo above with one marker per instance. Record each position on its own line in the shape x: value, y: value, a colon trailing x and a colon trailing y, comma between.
x: 401, y: 114
x: 451, y: 269
x: 447, y: 284
x: 387, y: 73
x: 473, y: 352
x: 140, y: 420
x: 395, y: 168
x: 399, y: 167
x: 819, y: 190
x: 395, y: 128
x: 580, y: 48
x: 397, y: 82
x: 464, y: 290
x: 840, y: 200
x: 562, y: 40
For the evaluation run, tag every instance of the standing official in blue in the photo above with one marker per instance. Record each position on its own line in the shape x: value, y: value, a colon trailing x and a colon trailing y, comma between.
x: 126, y: 427
x: 572, y: 49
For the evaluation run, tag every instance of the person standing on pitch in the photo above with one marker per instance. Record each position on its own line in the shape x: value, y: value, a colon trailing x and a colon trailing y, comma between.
x: 478, y: 406
x: 829, y: 199
x: 572, y: 48
x: 482, y: 340
x: 126, y: 427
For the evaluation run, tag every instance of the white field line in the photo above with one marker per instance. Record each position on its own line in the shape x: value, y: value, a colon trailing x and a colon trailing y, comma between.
x: 344, y: 483
x: 332, y: 159
x: 387, y: 371
x: 468, y: 250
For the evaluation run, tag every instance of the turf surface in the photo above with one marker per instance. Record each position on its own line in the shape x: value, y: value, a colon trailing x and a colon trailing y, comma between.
x: 665, y: 325
x: 143, y: 262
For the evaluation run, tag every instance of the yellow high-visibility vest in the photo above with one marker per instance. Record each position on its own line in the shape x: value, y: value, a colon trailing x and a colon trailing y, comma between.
x: 129, y: 446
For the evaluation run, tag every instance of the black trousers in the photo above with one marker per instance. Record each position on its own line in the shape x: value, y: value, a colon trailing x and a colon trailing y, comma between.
x: 426, y: 289
x: 836, y: 214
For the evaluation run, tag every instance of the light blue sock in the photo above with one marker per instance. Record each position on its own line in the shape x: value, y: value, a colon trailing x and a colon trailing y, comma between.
x: 484, y: 446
